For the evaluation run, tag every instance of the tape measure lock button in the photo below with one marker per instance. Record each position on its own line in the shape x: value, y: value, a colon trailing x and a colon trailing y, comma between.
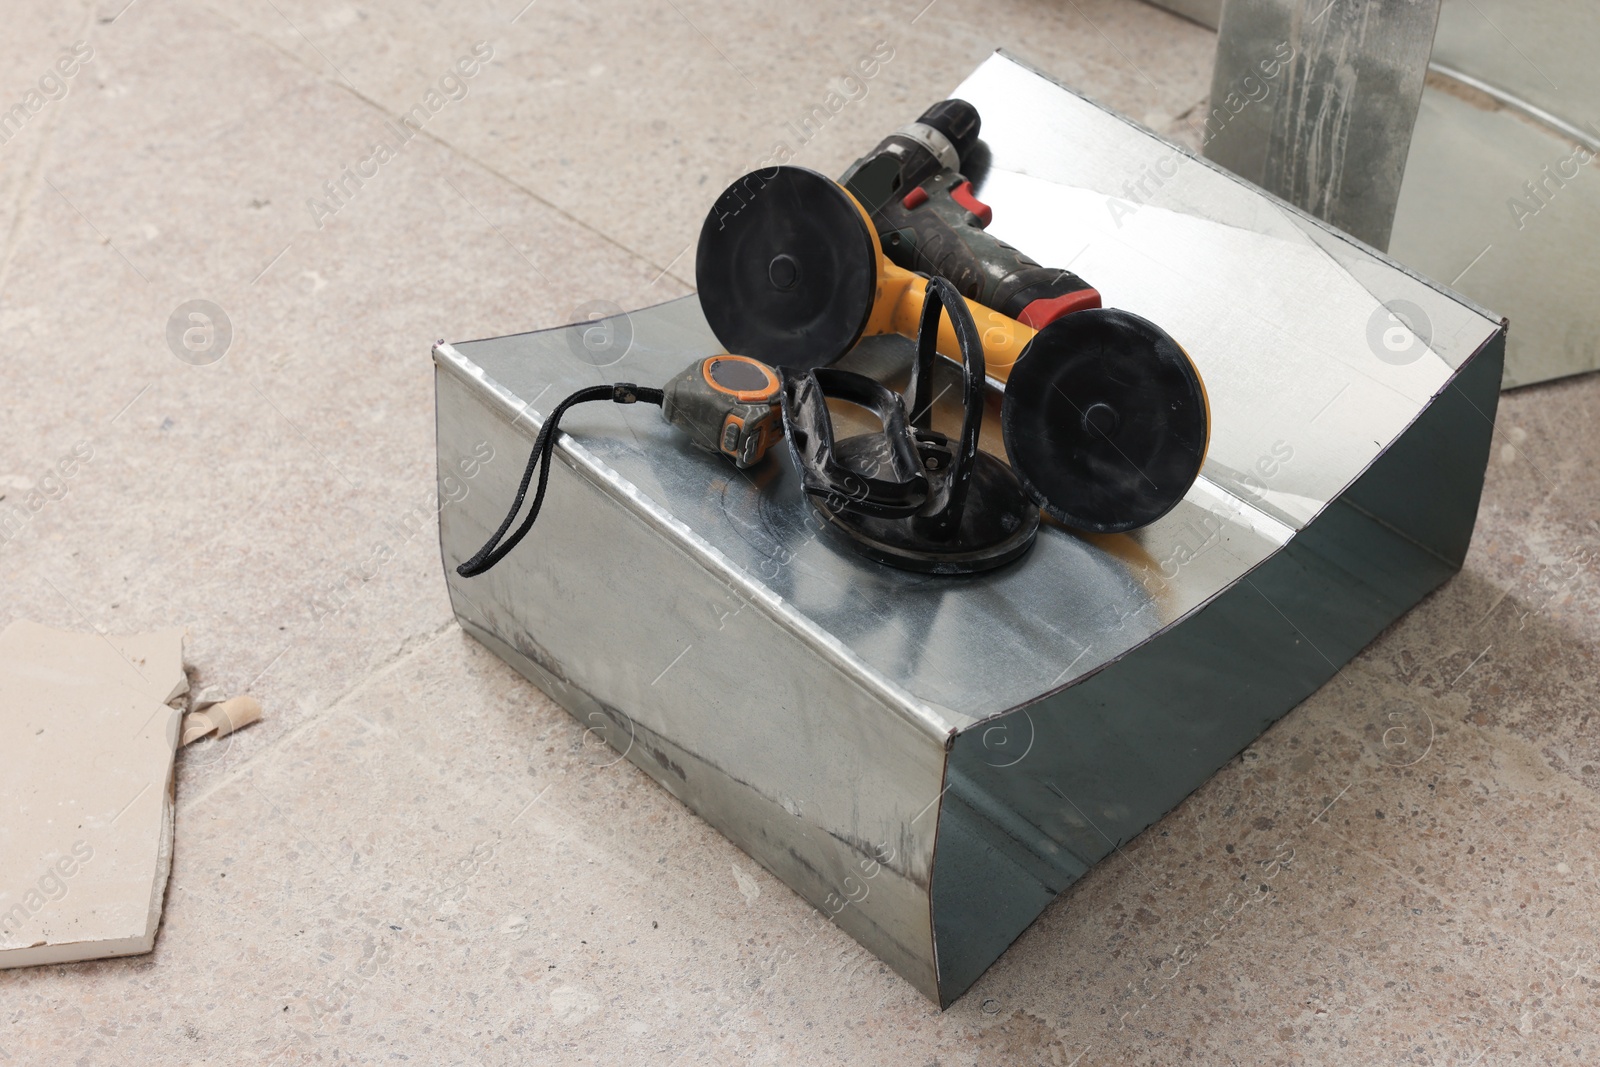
x: 731, y: 428
x: 753, y: 448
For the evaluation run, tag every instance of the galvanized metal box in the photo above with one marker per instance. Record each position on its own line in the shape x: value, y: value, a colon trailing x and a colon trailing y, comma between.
x: 931, y: 760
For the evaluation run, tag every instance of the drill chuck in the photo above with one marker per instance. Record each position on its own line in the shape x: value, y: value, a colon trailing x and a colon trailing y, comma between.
x: 958, y: 122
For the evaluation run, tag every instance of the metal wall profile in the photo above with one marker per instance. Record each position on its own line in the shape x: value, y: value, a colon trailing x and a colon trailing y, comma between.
x: 1481, y: 175
x: 930, y: 761
x: 1334, y: 139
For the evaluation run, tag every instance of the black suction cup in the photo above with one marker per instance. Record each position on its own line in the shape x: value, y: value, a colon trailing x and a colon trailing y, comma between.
x: 1105, y: 420
x: 787, y: 268
x: 997, y: 524
x: 910, y: 496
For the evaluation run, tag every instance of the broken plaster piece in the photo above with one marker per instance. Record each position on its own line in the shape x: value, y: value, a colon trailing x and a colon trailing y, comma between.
x: 207, y: 695
x: 85, y: 814
x: 151, y: 663
x: 221, y: 719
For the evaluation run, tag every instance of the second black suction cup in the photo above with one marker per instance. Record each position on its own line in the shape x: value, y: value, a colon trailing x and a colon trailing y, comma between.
x: 787, y: 268
x: 1105, y: 421
x: 910, y: 496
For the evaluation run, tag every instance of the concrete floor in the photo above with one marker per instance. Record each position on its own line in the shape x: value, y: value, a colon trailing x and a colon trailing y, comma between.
x: 416, y: 856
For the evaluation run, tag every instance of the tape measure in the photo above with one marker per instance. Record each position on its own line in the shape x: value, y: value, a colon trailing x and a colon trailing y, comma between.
x: 727, y: 404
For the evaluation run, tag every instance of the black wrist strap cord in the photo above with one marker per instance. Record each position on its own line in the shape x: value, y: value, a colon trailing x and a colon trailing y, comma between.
x: 493, y: 551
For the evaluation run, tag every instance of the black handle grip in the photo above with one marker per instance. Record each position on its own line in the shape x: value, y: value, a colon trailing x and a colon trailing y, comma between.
x: 934, y: 229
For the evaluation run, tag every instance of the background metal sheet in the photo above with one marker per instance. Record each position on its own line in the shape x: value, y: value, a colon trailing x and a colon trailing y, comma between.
x: 1329, y: 132
x: 1514, y: 94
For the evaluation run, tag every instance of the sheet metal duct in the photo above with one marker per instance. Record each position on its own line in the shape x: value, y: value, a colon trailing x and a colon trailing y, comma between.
x: 931, y: 760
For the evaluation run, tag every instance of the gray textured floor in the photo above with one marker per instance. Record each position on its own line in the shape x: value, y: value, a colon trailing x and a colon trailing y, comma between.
x: 416, y: 856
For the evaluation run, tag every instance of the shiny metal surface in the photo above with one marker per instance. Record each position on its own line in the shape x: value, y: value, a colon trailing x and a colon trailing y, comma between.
x: 837, y: 718
x: 1540, y: 54
x: 1227, y: 272
x: 1330, y: 132
x: 1467, y: 215
x: 1509, y: 112
x: 1498, y: 198
x: 753, y: 715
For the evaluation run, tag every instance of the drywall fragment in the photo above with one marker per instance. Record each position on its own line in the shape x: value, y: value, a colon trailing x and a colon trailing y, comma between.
x: 207, y: 695
x: 220, y: 719
x: 85, y: 798
x: 151, y: 663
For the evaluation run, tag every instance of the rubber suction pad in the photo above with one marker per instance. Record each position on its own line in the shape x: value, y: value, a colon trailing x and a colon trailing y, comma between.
x: 997, y: 525
x: 1105, y: 420
x: 787, y: 268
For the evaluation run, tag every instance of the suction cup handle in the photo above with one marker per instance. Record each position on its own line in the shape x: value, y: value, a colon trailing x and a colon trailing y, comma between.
x: 941, y: 301
x: 894, y: 486
x: 902, y: 300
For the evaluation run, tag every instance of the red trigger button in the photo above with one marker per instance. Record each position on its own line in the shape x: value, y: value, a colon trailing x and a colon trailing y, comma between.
x: 915, y: 198
x: 962, y: 194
